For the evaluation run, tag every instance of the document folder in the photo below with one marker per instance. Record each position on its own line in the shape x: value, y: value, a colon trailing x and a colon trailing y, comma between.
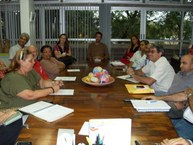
x: 150, y: 105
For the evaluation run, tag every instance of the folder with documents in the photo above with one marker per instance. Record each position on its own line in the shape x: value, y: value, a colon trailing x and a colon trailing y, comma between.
x: 139, y: 89
x: 150, y: 105
x: 9, y: 117
x: 47, y: 111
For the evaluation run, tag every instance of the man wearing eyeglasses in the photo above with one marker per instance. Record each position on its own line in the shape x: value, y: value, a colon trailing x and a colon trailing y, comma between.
x: 158, y: 73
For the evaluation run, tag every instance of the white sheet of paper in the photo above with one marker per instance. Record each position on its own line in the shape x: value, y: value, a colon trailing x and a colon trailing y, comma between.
x: 128, y: 78
x: 64, y: 92
x: 84, y: 129
x: 73, y: 70
x: 117, y: 63
x: 66, y: 78
x: 65, y: 137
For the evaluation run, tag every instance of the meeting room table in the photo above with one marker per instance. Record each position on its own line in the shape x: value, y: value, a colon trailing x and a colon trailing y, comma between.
x: 97, y: 102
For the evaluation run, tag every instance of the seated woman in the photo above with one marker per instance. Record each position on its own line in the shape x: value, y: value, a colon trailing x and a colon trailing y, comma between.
x: 135, y: 44
x: 62, y: 51
x: 52, y: 66
x: 23, y: 85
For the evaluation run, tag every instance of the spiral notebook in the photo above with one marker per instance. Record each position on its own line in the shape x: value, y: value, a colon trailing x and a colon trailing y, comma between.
x: 150, y: 105
x: 47, y: 111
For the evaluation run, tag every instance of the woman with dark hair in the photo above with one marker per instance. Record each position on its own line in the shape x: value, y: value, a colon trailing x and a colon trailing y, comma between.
x: 62, y: 50
x: 23, y: 85
x: 51, y: 65
x: 135, y: 44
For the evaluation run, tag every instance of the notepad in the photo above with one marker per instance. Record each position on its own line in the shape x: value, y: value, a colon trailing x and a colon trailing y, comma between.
x: 66, y: 78
x: 117, y: 63
x: 128, y: 78
x: 150, y: 105
x: 73, y: 70
x: 139, y: 89
x: 111, y: 131
x: 47, y: 111
x: 64, y: 92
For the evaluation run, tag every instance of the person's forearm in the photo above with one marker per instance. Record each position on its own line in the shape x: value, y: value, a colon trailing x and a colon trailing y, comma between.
x: 146, y: 80
x: 32, y: 95
x: 174, y: 97
x: 46, y: 83
x: 139, y: 72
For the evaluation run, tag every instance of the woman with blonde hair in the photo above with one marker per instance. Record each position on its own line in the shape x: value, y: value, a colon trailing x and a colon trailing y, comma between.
x: 22, y: 85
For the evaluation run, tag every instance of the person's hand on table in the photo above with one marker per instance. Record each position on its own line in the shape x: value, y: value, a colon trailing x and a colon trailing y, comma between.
x: 150, y: 98
x: 175, y: 141
x: 130, y: 71
x: 59, y: 82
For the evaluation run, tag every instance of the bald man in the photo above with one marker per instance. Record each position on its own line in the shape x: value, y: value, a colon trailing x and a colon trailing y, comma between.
x: 37, y: 65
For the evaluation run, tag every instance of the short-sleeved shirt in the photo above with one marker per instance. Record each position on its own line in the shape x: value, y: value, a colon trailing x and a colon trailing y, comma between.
x: 137, y: 58
x: 162, y: 72
x: 181, y: 82
x: 40, y: 70
x: 99, y: 50
x: 14, y: 83
x: 13, y: 50
x: 51, y: 67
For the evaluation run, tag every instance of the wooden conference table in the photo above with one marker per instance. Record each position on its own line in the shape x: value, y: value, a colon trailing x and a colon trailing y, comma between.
x: 90, y: 102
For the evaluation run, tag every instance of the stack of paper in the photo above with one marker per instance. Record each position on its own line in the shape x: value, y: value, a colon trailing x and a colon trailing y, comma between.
x: 150, y: 105
x: 128, y: 78
x: 47, y: 111
x: 139, y: 89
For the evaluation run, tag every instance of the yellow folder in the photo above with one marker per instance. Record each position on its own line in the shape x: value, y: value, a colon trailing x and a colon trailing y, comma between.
x: 139, y: 89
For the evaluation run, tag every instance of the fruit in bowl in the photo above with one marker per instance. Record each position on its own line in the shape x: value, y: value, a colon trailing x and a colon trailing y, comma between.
x: 98, y: 75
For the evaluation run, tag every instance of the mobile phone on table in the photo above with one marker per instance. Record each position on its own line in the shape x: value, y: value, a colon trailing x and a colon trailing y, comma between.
x: 23, y: 143
x: 140, y: 87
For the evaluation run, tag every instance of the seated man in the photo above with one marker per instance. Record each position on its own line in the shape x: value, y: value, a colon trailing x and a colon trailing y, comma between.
x: 37, y: 65
x: 23, y: 39
x: 184, y: 78
x: 97, y: 49
x: 158, y: 73
x: 183, y: 127
x: 140, y: 55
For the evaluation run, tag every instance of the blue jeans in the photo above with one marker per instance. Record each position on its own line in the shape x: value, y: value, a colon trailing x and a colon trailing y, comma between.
x: 183, y: 128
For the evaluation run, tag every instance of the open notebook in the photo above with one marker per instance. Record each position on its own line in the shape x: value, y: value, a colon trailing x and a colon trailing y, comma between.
x: 150, y: 105
x: 47, y: 111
